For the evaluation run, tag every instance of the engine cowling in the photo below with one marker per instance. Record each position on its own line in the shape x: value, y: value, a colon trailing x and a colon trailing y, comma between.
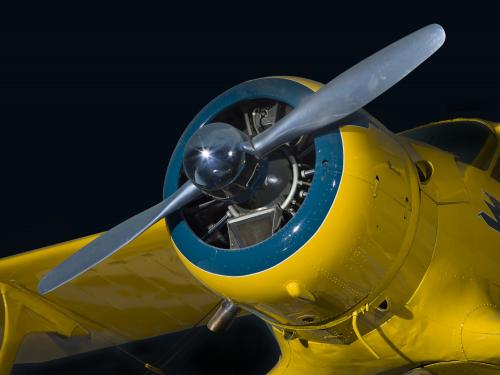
x: 337, y: 249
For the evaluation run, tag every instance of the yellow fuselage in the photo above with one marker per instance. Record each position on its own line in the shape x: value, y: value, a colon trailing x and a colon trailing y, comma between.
x: 410, y: 261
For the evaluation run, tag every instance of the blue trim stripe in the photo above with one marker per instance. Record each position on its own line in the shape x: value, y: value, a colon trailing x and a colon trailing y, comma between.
x: 290, y: 238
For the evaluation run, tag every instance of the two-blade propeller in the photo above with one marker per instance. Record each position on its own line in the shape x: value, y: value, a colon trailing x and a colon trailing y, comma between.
x: 339, y: 98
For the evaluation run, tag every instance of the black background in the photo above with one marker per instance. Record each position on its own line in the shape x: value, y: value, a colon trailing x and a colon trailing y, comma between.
x: 89, y: 119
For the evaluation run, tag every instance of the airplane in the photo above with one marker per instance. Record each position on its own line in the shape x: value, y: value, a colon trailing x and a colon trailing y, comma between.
x: 364, y: 251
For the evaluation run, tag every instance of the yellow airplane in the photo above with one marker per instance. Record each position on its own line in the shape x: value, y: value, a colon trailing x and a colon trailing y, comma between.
x: 366, y: 252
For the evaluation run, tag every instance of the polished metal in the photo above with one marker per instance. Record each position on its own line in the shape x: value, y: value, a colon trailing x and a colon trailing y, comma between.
x: 307, y: 173
x: 114, y: 239
x: 218, y: 160
x: 224, y: 316
x: 214, y: 156
x: 353, y: 89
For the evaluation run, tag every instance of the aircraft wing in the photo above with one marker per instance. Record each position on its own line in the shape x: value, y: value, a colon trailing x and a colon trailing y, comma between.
x: 142, y: 291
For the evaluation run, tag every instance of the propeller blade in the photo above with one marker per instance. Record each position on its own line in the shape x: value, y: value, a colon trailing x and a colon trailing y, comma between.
x: 116, y: 238
x: 353, y: 89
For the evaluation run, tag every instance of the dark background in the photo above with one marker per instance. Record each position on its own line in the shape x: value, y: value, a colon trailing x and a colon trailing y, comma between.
x: 89, y: 119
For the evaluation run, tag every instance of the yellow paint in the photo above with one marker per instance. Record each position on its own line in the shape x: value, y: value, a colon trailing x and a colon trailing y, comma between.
x: 141, y: 291
x: 420, y: 247
x: 25, y: 312
x: 295, y: 290
x: 358, y: 334
x: 332, y: 266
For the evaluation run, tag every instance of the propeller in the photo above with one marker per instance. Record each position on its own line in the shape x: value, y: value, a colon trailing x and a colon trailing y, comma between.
x: 114, y: 239
x: 223, y: 162
x: 354, y: 88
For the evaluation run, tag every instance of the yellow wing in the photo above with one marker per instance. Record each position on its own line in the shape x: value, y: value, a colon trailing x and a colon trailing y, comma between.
x: 142, y: 291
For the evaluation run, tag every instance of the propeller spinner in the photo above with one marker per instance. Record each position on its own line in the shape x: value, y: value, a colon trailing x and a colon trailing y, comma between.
x: 220, y: 160
x: 226, y: 164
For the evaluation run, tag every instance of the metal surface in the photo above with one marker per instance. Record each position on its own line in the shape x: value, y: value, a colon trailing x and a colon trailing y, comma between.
x: 250, y: 229
x: 302, y: 226
x: 223, y: 317
x: 363, y: 236
x: 209, y: 150
x: 278, y: 186
x: 354, y: 88
x: 217, y: 161
x: 295, y: 181
x: 114, y: 239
